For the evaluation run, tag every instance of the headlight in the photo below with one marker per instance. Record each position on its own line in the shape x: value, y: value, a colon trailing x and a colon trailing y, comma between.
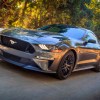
x: 50, y: 48
x: 46, y: 47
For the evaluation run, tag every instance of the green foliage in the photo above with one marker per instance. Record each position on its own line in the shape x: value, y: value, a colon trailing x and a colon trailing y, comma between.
x: 36, y: 13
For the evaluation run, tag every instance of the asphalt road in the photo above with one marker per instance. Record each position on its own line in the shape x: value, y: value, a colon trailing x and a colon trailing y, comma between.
x: 20, y: 84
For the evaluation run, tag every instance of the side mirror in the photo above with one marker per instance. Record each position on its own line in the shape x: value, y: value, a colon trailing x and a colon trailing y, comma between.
x: 91, y: 41
x: 38, y: 29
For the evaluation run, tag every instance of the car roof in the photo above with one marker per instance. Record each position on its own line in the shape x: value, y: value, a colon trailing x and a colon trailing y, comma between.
x: 69, y: 26
x: 63, y: 25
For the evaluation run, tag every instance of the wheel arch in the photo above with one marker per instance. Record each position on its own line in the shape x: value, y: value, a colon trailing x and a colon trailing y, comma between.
x: 59, y: 72
x: 75, y: 54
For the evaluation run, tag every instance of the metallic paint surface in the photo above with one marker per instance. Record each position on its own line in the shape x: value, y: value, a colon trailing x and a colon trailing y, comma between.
x: 85, y: 55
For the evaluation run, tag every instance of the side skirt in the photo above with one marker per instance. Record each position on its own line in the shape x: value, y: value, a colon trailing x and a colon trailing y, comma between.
x: 84, y: 68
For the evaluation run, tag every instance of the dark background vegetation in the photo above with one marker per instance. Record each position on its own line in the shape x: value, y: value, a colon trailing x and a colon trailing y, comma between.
x: 36, y: 13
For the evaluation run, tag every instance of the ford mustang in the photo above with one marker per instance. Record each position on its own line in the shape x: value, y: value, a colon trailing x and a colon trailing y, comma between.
x: 57, y: 48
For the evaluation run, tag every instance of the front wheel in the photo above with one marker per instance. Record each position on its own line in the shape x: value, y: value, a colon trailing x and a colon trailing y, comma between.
x: 66, y: 66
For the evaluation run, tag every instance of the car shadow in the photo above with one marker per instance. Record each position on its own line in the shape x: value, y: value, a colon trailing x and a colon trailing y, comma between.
x: 30, y: 74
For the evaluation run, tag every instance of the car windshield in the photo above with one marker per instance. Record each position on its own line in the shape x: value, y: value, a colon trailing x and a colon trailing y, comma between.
x: 76, y: 33
x: 67, y: 31
x: 55, y: 28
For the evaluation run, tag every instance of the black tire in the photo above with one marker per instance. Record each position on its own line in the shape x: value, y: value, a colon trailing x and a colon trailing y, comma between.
x: 66, y: 66
x: 97, y: 68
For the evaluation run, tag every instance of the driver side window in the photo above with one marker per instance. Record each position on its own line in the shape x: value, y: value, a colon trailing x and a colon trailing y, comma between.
x: 90, y: 35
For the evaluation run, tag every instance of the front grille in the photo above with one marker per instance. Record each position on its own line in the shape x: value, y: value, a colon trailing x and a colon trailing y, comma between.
x: 17, y: 44
x: 17, y: 59
x: 11, y: 57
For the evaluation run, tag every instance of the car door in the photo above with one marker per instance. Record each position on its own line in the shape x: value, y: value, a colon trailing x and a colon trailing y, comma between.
x: 89, y: 52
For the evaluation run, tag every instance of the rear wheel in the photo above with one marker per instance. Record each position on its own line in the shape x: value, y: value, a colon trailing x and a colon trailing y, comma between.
x: 97, y: 68
x: 66, y: 65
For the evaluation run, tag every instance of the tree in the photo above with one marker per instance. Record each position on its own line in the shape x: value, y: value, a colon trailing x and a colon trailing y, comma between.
x: 36, y: 13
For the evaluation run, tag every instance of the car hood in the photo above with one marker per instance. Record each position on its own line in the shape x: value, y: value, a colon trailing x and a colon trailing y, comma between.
x: 34, y: 36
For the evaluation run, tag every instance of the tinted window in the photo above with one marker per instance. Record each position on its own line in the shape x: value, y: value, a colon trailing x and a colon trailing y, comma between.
x: 53, y: 29
x: 68, y: 31
x: 74, y: 33
x: 59, y: 28
x: 90, y: 35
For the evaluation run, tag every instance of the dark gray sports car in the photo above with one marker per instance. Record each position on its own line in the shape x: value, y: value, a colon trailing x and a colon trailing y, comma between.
x: 56, y: 48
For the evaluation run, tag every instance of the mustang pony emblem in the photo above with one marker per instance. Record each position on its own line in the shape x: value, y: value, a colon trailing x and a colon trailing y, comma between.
x: 12, y: 42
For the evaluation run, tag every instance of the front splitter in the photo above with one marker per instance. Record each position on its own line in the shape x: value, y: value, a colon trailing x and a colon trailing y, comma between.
x: 30, y: 67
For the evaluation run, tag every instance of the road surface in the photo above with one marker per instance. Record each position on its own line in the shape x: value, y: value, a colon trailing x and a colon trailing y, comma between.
x: 20, y: 84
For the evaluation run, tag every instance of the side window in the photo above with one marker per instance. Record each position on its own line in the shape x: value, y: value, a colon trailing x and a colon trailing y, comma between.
x: 90, y: 35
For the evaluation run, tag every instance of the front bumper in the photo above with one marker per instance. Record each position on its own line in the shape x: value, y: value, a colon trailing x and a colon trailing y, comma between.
x: 39, y: 61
